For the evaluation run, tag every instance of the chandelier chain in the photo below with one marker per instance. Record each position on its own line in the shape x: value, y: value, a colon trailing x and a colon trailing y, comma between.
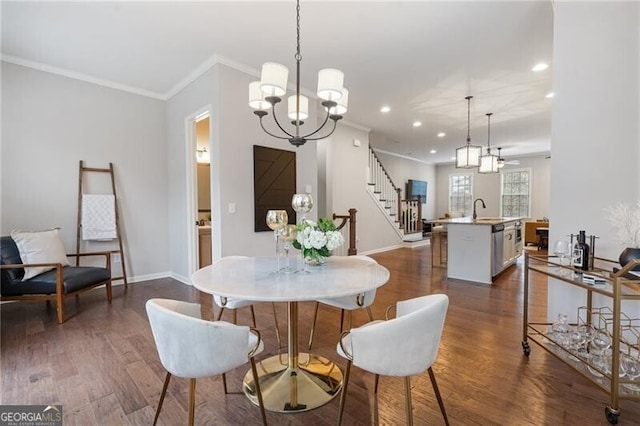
x: 489, y: 133
x: 298, y: 56
x: 468, y: 98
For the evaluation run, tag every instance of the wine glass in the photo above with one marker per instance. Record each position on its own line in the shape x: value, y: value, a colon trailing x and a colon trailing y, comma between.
x: 302, y: 203
x: 288, y: 234
x: 631, y: 367
x: 601, y: 342
x: 276, y: 220
x: 562, y: 249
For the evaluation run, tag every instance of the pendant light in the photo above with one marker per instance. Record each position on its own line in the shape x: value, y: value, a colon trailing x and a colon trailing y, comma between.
x: 468, y: 156
x: 268, y: 91
x: 488, y: 162
x: 500, y: 159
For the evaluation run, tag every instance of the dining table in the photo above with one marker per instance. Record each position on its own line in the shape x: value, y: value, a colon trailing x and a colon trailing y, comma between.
x: 293, y: 381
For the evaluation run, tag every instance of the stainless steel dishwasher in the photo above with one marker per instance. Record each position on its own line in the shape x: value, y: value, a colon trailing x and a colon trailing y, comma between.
x: 497, y: 249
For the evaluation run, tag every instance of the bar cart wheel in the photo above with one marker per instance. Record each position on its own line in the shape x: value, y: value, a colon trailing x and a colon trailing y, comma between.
x: 526, y: 349
x: 612, y: 415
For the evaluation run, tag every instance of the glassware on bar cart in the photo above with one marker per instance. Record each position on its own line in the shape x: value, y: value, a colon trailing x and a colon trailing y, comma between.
x: 562, y: 249
x: 631, y: 366
x: 276, y: 220
x: 601, y: 342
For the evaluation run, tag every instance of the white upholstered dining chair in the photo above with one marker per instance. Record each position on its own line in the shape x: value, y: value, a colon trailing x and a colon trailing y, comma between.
x: 404, y: 346
x: 234, y: 303
x: 347, y: 303
x: 193, y: 348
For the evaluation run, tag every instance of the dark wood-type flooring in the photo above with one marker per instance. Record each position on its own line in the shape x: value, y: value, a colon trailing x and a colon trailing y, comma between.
x: 102, y: 365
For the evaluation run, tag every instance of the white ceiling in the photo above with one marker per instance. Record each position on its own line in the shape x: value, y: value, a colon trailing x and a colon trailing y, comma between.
x: 419, y: 58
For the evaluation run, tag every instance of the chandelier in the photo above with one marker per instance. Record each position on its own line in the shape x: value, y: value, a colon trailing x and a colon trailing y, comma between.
x: 489, y: 162
x: 468, y: 156
x: 266, y: 93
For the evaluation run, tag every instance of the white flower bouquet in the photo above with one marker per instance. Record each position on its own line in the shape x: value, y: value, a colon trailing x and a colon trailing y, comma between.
x: 316, y: 240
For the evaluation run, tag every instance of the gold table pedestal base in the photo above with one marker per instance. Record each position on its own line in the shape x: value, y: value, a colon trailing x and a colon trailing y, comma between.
x: 313, y: 383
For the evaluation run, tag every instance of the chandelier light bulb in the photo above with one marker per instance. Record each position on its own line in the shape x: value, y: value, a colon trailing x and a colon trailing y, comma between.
x: 304, y: 108
x: 257, y: 97
x: 273, y: 80
x: 330, y: 84
x: 343, y: 103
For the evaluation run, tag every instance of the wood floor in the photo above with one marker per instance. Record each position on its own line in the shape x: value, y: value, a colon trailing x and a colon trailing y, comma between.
x: 102, y: 365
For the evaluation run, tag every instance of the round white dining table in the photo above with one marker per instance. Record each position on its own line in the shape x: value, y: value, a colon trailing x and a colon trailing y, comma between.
x: 295, y: 381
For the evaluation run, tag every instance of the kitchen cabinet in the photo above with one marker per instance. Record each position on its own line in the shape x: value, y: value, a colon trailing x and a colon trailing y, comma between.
x: 204, y: 246
x: 512, y: 248
x: 476, y: 247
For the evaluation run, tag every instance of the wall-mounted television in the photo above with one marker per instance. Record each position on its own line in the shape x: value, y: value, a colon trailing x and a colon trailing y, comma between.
x: 415, y: 188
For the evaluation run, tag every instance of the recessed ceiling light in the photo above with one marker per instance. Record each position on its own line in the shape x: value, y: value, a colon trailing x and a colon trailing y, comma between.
x: 433, y: 151
x: 540, y: 67
x: 385, y: 109
x: 442, y: 134
x: 417, y: 124
x: 549, y: 95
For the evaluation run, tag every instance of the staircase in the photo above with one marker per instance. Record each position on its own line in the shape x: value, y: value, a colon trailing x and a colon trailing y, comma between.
x: 404, y: 215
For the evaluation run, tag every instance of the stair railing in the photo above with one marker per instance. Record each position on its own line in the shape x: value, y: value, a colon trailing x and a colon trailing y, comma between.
x: 407, y: 213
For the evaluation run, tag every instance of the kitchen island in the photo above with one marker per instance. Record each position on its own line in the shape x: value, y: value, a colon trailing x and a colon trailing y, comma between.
x: 479, y: 249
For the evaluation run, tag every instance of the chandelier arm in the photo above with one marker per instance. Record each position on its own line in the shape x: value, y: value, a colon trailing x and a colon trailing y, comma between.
x: 271, y: 134
x: 319, y: 128
x: 273, y: 113
x: 335, y: 124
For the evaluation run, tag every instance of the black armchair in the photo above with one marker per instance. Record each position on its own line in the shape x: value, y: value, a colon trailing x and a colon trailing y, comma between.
x: 56, y: 284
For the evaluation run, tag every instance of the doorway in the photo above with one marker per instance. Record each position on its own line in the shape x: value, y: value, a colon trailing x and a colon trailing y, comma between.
x: 203, y: 190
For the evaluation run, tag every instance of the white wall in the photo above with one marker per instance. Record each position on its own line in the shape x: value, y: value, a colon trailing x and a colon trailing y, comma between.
x: 595, y: 136
x: 49, y: 124
x: 402, y: 169
x: 239, y: 131
x: 235, y: 129
x: 346, y: 187
x: 487, y: 187
x: 201, y: 93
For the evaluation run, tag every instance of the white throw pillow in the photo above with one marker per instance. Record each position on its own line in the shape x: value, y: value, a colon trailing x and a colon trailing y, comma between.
x: 39, y: 247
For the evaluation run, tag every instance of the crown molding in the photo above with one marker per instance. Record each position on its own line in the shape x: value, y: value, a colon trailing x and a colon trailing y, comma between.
x: 79, y: 76
x: 393, y: 154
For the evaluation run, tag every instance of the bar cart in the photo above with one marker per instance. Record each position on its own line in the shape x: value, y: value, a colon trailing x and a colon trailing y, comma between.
x: 583, y: 345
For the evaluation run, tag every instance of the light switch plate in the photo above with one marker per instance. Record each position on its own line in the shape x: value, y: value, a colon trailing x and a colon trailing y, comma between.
x: 232, y: 207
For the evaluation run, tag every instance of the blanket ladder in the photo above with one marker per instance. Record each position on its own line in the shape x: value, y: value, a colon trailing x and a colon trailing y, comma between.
x: 120, y: 251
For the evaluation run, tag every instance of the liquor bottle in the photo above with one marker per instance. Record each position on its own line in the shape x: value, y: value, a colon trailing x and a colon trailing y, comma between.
x: 581, y: 252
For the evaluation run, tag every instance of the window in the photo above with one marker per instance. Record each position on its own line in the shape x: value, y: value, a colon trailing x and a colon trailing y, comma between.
x: 460, y: 193
x: 516, y: 188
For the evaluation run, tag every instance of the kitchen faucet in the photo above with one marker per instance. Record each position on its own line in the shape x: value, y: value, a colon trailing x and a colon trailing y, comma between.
x: 475, y: 215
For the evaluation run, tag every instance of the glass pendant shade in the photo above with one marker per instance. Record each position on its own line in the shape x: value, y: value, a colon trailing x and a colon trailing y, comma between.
x: 256, y: 97
x: 468, y: 156
x: 488, y: 163
x: 274, y: 78
x: 343, y: 102
x: 500, y: 163
x: 330, y: 84
x: 304, y: 108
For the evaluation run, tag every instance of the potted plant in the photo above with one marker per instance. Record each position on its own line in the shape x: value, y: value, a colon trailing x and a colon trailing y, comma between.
x: 625, y: 218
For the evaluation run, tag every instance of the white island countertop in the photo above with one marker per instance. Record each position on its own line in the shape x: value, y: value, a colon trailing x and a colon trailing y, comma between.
x: 479, y: 221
